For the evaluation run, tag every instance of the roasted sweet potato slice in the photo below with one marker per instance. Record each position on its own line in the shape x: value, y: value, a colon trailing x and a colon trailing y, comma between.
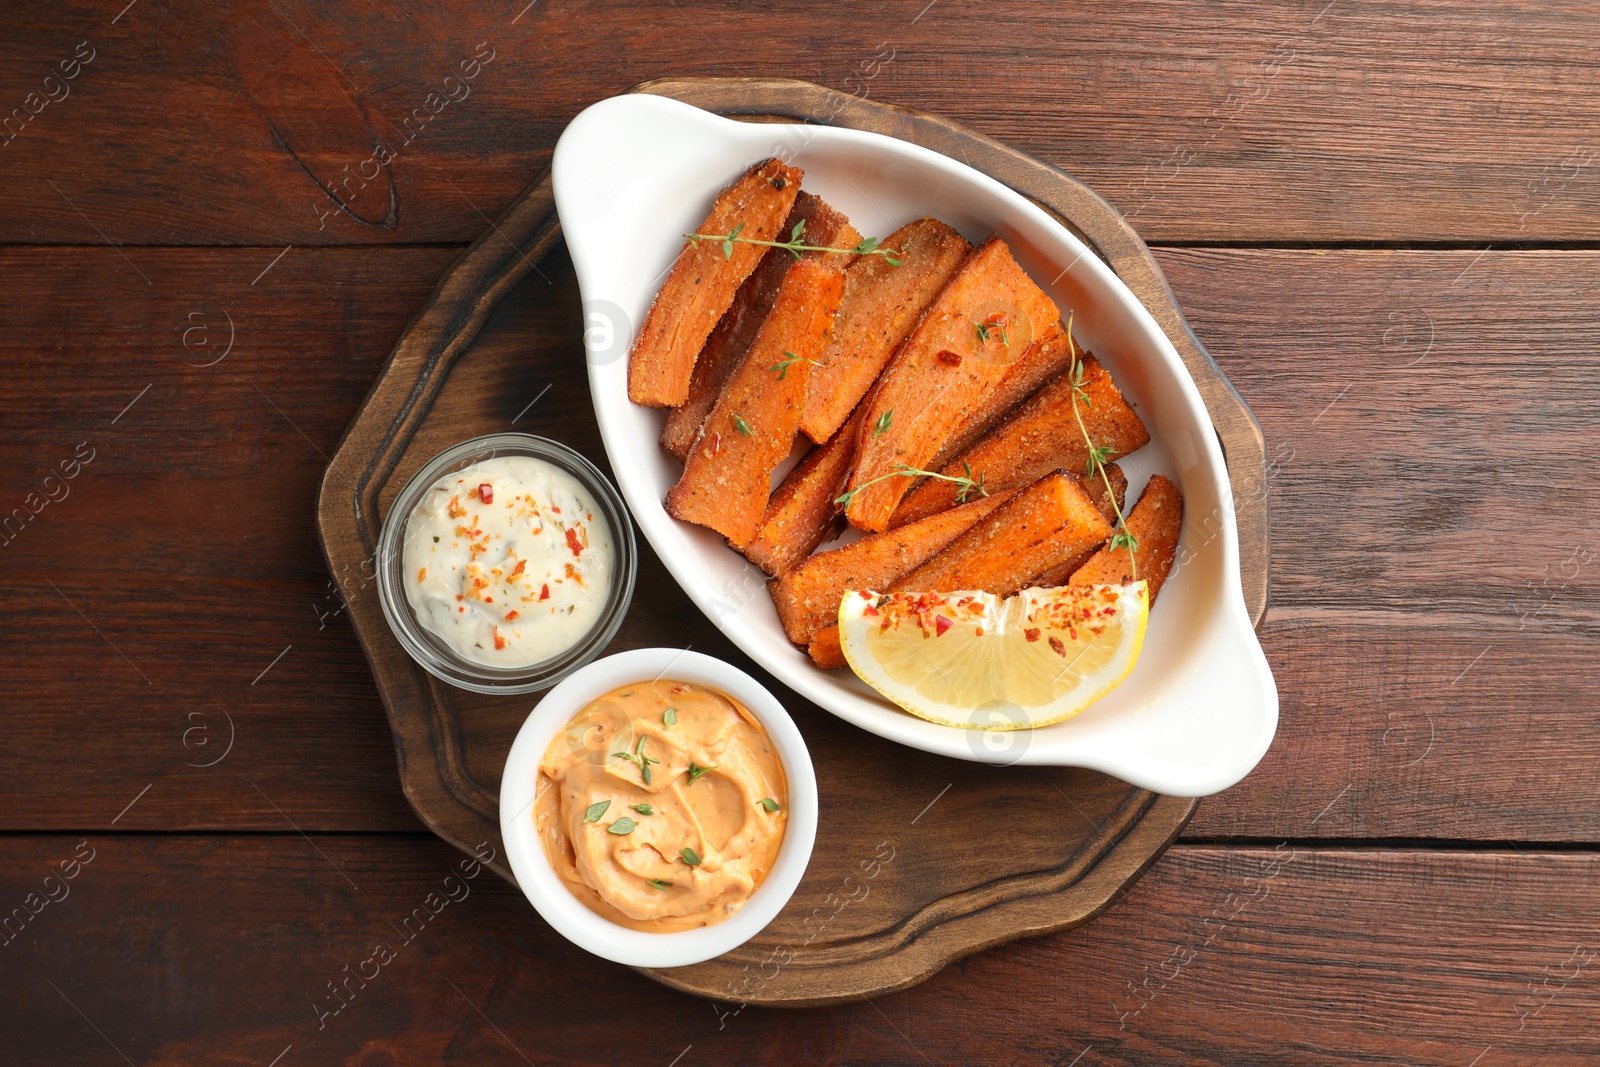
x: 1040, y: 436
x: 990, y: 314
x: 802, y: 511
x: 826, y: 651
x: 701, y: 284
x: 751, y: 304
x: 1061, y: 572
x: 1051, y: 520
x: 807, y: 596
x: 882, y: 303
x: 1155, y: 522
x: 727, y: 478
x: 1044, y: 362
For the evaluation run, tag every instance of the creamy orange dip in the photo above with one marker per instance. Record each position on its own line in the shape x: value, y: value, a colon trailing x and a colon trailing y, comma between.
x: 662, y: 805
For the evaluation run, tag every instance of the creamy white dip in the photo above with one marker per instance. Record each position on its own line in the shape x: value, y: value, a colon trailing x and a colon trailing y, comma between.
x: 508, y: 562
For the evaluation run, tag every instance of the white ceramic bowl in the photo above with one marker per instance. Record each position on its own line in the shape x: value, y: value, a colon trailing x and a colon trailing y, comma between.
x: 532, y: 867
x: 634, y: 173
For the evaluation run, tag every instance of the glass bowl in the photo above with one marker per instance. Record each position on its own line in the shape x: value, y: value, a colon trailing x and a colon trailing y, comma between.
x: 435, y: 655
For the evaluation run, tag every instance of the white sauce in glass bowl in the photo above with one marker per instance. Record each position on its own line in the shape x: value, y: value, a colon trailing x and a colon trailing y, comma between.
x: 507, y: 562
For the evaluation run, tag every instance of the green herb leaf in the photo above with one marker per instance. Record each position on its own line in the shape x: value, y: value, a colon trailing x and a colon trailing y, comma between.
x: 623, y: 825
x: 789, y: 359
x: 881, y: 427
x: 1124, y: 539
x: 795, y: 244
x: 670, y: 716
x: 593, y: 812
x: 696, y: 772
x: 660, y: 883
x: 690, y: 856
x: 968, y: 485
x: 769, y: 803
x: 1097, y: 458
x: 643, y: 809
x: 740, y: 425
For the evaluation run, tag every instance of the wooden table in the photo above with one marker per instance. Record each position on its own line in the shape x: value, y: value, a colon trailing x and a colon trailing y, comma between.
x: 1383, y: 220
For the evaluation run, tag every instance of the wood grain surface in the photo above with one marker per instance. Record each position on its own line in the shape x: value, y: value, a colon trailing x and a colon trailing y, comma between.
x: 222, y: 949
x: 1233, y: 121
x: 1338, y: 187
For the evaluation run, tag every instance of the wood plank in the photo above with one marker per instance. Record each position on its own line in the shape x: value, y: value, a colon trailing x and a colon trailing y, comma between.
x: 1219, y: 956
x: 1434, y: 578
x: 183, y: 556
x: 1230, y: 122
x: 1479, y: 447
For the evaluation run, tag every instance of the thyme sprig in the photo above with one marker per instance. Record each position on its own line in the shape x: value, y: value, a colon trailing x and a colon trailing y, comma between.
x: 969, y: 486
x: 638, y: 759
x: 1098, y: 454
x: 795, y: 244
x: 986, y: 329
x: 790, y: 359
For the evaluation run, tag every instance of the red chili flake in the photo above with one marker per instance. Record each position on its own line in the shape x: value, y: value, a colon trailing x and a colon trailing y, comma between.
x: 871, y: 611
x: 1059, y: 648
x: 940, y: 625
x: 499, y: 642
x: 977, y: 631
x: 555, y: 509
x: 488, y: 600
x: 422, y: 572
x: 1031, y: 634
x: 544, y: 591
x: 512, y: 614
x: 518, y: 569
x: 949, y: 358
x: 486, y: 493
x: 572, y: 541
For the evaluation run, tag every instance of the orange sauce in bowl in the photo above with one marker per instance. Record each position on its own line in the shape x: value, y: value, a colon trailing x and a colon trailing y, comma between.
x: 662, y: 806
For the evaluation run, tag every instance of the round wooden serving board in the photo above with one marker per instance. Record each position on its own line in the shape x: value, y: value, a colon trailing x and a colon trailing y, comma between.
x: 919, y: 860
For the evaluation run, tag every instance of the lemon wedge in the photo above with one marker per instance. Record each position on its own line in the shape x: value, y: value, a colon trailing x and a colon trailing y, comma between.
x: 984, y: 662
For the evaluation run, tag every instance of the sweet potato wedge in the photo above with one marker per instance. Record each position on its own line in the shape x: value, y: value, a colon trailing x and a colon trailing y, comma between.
x: 882, y: 303
x: 802, y: 511
x: 1049, y: 521
x: 1044, y: 362
x: 727, y: 478
x: 1063, y: 571
x: 701, y: 284
x: 1155, y: 522
x: 959, y: 351
x: 751, y: 304
x: 807, y: 595
x: 825, y: 650
x: 1040, y: 436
